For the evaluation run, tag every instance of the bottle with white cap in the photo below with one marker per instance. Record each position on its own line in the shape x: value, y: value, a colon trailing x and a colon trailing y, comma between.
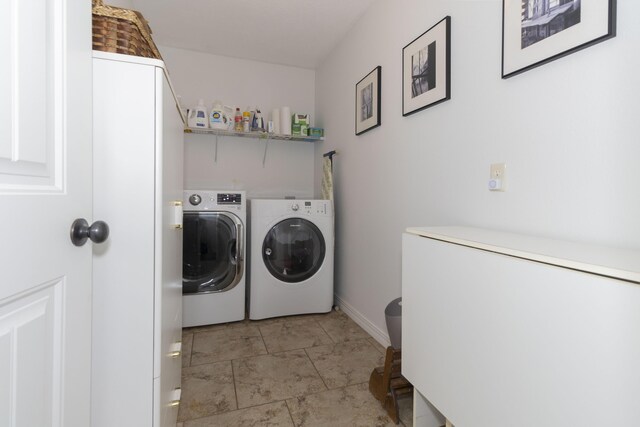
x: 201, y: 119
x: 217, y: 117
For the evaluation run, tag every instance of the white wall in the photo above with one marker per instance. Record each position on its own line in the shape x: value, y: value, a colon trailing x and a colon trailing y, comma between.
x: 127, y: 4
x: 567, y: 130
x: 288, y: 169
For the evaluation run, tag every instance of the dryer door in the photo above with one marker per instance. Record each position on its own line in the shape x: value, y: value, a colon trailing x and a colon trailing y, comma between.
x: 293, y: 250
x: 212, y: 252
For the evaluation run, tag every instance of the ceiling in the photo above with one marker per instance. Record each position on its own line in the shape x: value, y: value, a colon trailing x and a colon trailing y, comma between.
x: 299, y: 33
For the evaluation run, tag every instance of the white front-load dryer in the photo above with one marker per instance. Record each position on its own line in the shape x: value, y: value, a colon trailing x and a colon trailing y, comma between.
x: 213, y: 267
x: 291, y: 257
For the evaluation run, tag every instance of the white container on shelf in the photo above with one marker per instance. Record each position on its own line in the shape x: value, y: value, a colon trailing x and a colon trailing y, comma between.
x: 201, y: 117
x: 285, y: 121
x: 275, y: 118
x: 191, y: 117
x: 229, y: 112
x: 218, y: 119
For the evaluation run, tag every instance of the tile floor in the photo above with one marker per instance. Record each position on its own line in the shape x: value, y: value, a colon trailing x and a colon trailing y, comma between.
x: 310, y: 370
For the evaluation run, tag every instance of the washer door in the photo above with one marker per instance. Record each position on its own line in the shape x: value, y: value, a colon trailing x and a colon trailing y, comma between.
x: 293, y: 250
x: 212, y: 252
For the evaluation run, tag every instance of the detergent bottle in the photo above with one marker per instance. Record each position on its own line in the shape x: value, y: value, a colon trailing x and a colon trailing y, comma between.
x: 201, y: 115
x: 258, y: 121
x: 217, y: 117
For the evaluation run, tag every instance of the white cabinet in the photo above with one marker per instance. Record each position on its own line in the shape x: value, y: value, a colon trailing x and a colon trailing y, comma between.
x: 137, y: 273
x: 508, y: 330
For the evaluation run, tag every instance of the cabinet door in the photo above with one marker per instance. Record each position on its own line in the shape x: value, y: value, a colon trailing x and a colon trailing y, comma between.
x: 168, y: 329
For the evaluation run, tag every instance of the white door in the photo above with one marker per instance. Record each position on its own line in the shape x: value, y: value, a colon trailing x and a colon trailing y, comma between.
x: 45, y: 183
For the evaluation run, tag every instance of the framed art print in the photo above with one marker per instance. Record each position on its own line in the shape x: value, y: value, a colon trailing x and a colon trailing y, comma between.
x: 535, y: 32
x: 368, y: 101
x: 426, y: 69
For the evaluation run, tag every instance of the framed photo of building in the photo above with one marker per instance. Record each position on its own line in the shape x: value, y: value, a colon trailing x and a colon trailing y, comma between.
x: 426, y: 69
x: 368, y: 101
x: 535, y: 32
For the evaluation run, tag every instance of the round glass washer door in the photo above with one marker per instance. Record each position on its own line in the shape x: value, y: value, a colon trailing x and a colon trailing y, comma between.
x: 211, y: 262
x: 293, y: 250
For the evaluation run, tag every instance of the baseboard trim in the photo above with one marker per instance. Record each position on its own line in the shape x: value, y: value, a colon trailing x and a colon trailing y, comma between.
x: 378, y: 334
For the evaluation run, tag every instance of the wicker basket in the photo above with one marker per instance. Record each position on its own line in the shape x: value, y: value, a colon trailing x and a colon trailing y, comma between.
x: 122, y: 31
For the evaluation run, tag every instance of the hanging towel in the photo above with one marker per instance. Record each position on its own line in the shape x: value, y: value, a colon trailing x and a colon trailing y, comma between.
x: 327, y: 178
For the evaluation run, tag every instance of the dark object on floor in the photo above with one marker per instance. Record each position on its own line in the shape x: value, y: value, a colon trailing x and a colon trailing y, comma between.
x: 388, y: 385
x: 393, y: 317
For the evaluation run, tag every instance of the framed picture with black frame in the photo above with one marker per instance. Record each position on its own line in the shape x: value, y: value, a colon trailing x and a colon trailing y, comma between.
x: 535, y: 32
x: 426, y: 69
x: 368, y: 101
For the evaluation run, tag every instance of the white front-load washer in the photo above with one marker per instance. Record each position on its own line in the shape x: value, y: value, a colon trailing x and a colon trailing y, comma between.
x: 213, y: 266
x: 291, y: 257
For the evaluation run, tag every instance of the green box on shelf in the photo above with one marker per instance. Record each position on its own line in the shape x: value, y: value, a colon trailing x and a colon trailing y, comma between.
x: 300, y: 124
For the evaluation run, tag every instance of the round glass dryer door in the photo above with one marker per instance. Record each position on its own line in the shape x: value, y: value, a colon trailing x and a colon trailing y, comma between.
x: 293, y: 250
x: 210, y: 258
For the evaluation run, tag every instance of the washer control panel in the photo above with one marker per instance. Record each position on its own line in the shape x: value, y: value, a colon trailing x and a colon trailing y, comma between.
x: 206, y: 200
x: 229, y: 198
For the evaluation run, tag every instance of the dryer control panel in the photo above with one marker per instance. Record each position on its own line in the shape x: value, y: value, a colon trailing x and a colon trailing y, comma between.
x: 311, y: 207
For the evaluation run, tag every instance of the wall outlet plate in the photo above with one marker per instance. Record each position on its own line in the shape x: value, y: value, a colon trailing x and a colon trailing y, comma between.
x: 497, y: 174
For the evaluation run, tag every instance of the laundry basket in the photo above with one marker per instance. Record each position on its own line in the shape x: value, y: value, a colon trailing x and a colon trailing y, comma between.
x: 123, y: 31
